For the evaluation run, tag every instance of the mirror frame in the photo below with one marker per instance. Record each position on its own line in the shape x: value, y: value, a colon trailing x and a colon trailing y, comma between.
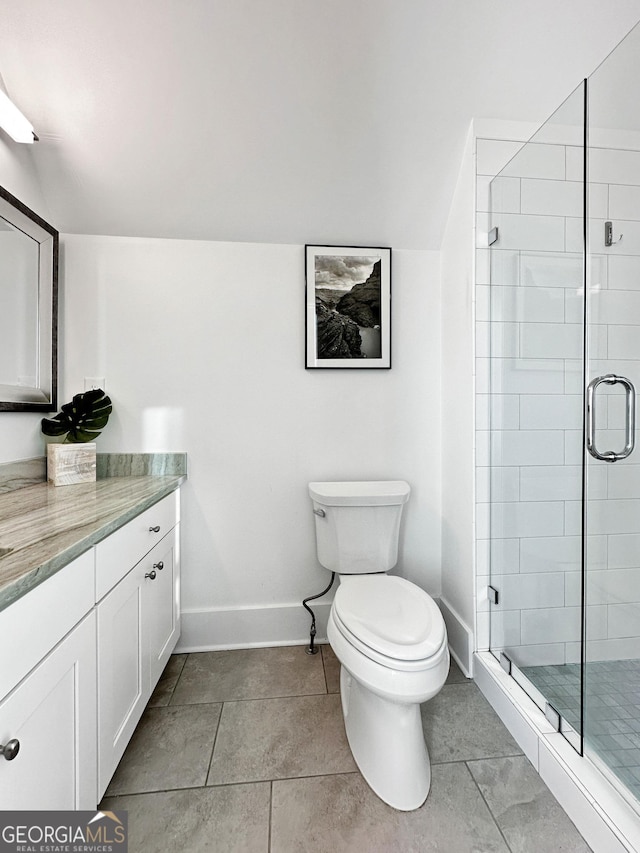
x: 14, y: 398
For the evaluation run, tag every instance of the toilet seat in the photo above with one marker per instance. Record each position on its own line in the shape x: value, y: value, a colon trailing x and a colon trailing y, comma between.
x: 390, y: 620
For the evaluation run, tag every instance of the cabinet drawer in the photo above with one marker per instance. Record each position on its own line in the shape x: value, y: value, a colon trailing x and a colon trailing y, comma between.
x: 118, y: 553
x: 35, y: 623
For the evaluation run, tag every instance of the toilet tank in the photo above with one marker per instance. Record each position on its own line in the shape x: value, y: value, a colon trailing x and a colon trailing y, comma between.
x: 357, y: 524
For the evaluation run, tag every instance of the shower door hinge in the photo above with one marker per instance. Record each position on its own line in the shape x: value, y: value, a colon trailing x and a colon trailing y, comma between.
x: 505, y: 663
x: 552, y: 716
x: 492, y: 594
x: 493, y: 236
x: 608, y: 235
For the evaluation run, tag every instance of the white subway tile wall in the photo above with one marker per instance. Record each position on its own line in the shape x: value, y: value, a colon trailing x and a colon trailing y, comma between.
x: 529, y: 410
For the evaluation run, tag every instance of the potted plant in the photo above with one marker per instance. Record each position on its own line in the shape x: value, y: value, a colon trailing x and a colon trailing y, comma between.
x: 79, y: 422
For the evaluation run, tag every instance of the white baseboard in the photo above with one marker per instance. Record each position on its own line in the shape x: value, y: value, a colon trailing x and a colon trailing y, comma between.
x: 607, y: 822
x: 250, y: 627
x: 460, y: 637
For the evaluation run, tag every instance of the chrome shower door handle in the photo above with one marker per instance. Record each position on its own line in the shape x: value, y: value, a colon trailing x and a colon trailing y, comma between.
x: 630, y: 417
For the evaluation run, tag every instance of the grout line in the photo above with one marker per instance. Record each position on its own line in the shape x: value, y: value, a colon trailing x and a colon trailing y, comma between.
x: 206, y: 787
x: 215, y: 740
x: 355, y: 772
x: 234, y: 784
x: 493, y: 817
x: 324, y: 671
x: 249, y: 699
x: 270, y: 823
x: 184, y: 662
x: 186, y: 788
x: 479, y: 758
x: 316, y: 776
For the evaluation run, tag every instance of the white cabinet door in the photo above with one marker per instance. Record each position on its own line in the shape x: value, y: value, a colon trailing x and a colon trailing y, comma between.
x: 162, y: 605
x: 123, y: 672
x: 52, y: 715
x: 138, y: 628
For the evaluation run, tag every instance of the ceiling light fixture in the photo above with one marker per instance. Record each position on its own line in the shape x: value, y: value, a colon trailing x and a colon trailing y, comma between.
x: 13, y: 122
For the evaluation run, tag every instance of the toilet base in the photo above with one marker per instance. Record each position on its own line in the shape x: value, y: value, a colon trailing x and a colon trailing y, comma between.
x: 387, y: 743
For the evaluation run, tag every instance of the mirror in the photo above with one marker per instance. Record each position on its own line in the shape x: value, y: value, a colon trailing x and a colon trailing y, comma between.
x: 28, y: 308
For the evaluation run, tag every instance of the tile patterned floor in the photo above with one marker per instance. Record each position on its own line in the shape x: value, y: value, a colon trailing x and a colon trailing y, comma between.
x: 244, y: 752
x: 612, y: 709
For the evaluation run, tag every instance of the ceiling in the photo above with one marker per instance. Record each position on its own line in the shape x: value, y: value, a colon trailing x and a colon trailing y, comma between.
x: 285, y: 121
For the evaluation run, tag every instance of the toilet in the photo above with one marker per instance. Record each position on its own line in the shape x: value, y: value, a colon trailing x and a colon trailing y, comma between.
x: 387, y: 633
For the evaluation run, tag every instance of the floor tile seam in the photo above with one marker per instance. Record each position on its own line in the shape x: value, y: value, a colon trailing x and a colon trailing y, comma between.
x: 324, y: 672
x: 246, y: 699
x: 484, y: 800
x: 213, y: 745
x: 187, y: 788
x: 270, y: 822
x: 184, y: 662
x: 467, y: 760
x: 435, y: 762
x: 179, y: 676
x: 193, y: 704
x: 355, y: 772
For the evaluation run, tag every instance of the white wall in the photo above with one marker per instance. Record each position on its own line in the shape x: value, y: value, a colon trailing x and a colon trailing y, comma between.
x: 20, y: 435
x: 202, y: 348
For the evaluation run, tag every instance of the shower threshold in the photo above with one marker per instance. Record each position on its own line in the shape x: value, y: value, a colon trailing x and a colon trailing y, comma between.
x: 611, y: 714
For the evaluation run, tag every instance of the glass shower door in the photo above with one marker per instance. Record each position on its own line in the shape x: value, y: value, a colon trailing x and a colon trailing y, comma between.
x: 559, y: 497
x: 534, y: 477
x: 612, y: 455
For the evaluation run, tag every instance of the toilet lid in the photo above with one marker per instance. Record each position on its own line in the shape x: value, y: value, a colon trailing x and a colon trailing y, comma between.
x: 390, y: 615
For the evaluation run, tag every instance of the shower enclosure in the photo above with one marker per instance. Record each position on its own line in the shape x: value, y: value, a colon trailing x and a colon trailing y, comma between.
x: 563, y: 466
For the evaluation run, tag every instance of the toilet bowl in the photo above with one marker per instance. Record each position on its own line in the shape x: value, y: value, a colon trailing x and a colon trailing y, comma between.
x: 387, y: 633
x: 381, y: 692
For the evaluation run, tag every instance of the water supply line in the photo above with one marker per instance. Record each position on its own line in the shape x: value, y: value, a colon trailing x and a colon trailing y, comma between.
x: 311, y: 649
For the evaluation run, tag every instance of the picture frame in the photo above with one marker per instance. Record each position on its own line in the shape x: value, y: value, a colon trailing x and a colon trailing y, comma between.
x: 348, y: 307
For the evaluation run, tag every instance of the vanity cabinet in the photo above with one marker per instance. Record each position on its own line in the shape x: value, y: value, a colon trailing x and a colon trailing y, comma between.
x: 138, y: 624
x: 48, y: 679
x: 81, y: 655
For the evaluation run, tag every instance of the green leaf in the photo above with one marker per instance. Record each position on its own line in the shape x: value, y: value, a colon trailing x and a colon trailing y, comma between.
x: 53, y: 426
x: 81, y: 420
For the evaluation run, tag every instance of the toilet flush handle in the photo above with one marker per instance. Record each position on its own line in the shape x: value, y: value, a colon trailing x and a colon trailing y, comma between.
x: 319, y: 512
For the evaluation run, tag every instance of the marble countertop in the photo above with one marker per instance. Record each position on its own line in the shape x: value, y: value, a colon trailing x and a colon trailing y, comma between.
x: 44, y: 527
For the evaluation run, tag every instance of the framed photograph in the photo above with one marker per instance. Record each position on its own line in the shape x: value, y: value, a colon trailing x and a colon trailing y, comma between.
x: 348, y: 316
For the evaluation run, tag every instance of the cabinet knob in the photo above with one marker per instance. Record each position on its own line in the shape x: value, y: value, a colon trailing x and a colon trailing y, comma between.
x: 159, y: 565
x: 10, y: 749
x: 155, y: 529
x: 151, y: 575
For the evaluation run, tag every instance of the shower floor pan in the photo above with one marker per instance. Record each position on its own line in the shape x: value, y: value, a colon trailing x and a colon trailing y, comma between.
x: 612, y: 712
